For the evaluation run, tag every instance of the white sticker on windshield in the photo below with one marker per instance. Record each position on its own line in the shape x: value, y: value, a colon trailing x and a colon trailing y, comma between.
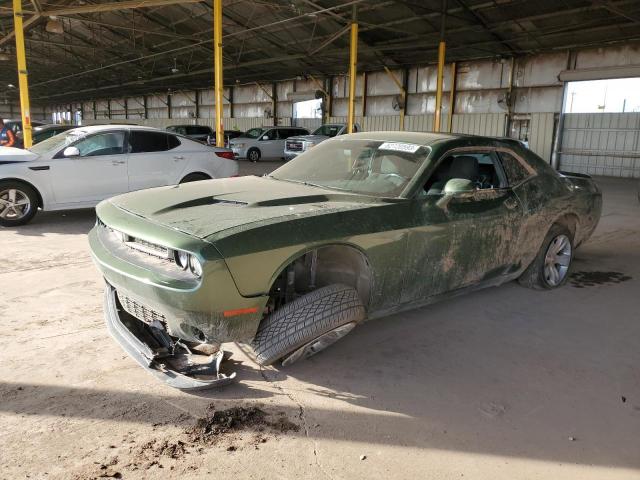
x: 399, y: 147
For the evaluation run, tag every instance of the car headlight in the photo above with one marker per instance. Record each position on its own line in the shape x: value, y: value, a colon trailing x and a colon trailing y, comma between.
x: 195, y: 266
x: 188, y: 261
x: 182, y: 259
x: 237, y: 145
x: 309, y: 144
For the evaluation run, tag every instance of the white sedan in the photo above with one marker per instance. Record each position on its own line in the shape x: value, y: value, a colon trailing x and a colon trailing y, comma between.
x: 81, y: 167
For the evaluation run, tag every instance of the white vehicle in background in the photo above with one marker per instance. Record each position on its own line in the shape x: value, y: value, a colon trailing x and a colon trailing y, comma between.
x: 83, y: 166
x: 294, y: 146
x: 264, y: 142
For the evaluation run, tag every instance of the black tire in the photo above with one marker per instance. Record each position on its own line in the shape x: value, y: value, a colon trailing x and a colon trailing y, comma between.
x: 534, y: 275
x: 305, y: 319
x: 24, y: 191
x: 195, y: 177
x: 253, y: 155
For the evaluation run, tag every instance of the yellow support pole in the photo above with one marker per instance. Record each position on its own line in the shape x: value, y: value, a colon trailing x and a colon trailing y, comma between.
x: 218, y: 84
x: 22, y: 73
x: 353, y: 62
x: 441, y: 50
x: 452, y: 98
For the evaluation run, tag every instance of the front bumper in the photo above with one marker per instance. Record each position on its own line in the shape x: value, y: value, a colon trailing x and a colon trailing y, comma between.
x: 239, y: 152
x: 290, y: 155
x: 152, y: 357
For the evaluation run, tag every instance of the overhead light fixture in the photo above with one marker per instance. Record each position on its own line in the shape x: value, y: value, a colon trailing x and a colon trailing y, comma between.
x: 4, y: 57
x: 54, y: 26
x: 11, y: 85
x: 175, y: 68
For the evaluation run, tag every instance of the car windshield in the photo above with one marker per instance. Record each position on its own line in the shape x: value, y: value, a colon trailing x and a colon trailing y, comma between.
x: 254, y: 132
x: 328, y: 130
x: 57, y: 142
x: 371, y: 167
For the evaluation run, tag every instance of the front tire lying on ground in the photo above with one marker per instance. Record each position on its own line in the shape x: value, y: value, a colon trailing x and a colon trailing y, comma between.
x: 308, y: 325
x: 18, y: 203
x: 550, y: 268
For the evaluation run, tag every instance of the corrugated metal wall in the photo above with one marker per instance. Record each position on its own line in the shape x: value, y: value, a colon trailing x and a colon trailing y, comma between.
x: 541, y: 131
x: 601, y: 144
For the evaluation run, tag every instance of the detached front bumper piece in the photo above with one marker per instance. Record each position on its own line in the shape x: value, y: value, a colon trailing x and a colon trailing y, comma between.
x: 156, y: 353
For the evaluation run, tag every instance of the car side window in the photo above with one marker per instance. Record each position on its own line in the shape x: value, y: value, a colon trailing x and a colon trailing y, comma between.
x: 515, y: 171
x: 142, y: 141
x: 108, y: 143
x: 271, y: 134
x: 482, y: 169
x: 173, y: 142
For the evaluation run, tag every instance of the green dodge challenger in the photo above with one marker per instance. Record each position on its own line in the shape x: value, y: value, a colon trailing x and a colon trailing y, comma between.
x: 358, y: 227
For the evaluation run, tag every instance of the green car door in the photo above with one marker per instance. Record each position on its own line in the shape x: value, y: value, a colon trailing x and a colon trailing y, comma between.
x: 462, y: 237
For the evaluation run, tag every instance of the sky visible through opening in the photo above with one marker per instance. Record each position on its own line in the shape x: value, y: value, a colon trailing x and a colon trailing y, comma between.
x: 593, y: 96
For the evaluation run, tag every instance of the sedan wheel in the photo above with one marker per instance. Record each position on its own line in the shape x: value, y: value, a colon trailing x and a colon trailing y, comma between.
x: 18, y: 204
x: 557, y: 260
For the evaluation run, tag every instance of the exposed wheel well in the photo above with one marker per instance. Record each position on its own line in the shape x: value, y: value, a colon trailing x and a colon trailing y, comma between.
x: 571, y: 221
x: 318, y: 268
x: 195, y: 174
x: 19, y: 180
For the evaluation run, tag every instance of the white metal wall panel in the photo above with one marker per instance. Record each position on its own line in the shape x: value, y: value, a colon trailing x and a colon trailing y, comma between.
x: 419, y: 123
x: 541, y: 134
x: 308, y: 123
x: 117, y: 109
x: 490, y: 124
x: 183, y: 105
x: 601, y: 144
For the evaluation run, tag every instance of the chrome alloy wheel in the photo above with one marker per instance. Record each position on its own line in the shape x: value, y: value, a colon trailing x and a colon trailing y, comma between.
x: 14, y: 204
x: 318, y: 344
x: 557, y: 260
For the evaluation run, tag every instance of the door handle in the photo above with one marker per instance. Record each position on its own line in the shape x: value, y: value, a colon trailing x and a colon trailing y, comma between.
x: 178, y: 157
x: 118, y: 162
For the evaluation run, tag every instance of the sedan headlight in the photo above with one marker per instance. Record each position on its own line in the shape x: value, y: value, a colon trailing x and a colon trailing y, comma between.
x: 237, y: 145
x: 308, y: 145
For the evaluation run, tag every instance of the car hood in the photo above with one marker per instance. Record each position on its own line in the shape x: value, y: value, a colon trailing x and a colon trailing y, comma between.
x: 219, y: 208
x: 309, y: 138
x: 14, y: 155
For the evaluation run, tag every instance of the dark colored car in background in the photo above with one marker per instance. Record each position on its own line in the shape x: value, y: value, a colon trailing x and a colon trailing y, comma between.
x: 194, y: 132
x: 42, y: 132
x: 203, y: 133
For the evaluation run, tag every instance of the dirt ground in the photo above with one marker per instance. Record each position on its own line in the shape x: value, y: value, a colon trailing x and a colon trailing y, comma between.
x: 506, y: 383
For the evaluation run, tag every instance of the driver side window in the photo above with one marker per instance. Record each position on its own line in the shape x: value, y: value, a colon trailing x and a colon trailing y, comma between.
x: 109, y: 143
x: 482, y: 169
x: 272, y: 134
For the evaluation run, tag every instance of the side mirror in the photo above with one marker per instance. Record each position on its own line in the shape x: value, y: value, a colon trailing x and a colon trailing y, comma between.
x: 71, y: 152
x: 455, y: 188
x: 265, y: 137
x: 458, y: 185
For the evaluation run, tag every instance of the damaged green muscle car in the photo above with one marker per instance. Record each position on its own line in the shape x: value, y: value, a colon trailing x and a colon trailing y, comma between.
x: 358, y: 227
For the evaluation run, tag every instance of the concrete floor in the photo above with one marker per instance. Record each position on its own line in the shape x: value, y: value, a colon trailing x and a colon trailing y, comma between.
x: 504, y: 383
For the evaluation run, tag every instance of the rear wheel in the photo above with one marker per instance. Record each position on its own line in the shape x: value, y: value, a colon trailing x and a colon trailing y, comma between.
x: 308, y: 325
x: 253, y: 154
x: 18, y: 203
x: 550, y: 268
x: 195, y: 177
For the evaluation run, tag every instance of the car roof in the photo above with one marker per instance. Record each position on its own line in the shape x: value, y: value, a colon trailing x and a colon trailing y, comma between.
x: 115, y: 126
x: 188, y: 125
x: 431, y: 138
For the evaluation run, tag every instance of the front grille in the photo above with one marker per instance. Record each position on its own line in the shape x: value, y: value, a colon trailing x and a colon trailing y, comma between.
x: 149, y: 248
x: 141, y: 312
x: 294, y: 146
